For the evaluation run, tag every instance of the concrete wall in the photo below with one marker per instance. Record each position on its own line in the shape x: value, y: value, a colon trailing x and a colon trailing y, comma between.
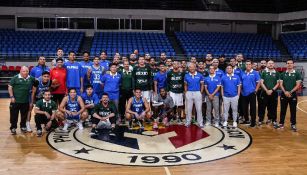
x: 7, y: 23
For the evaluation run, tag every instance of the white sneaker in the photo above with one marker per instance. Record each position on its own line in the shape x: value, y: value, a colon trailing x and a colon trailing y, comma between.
x: 216, y: 124
x: 80, y: 125
x: 65, y: 128
x: 28, y: 127
x: 225, y: 124
x: 235, y: 124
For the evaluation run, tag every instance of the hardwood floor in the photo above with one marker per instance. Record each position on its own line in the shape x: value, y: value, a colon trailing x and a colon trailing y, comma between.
x: 272, y: 152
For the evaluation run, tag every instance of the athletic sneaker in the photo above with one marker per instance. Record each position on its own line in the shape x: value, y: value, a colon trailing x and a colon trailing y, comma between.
x: 216, y: 124
x: 260, y: 123
x: 13, y: 131
x: 208, y: 124
x: 246, y: 122
x: 293, y: 128
x: 28, y: 127
x: 268, y: 122
x: 165, y: 121
x: 65, y: 128
x: 23, y: 129
x: 140, y: 125
x: 39, y: 133
x: 93, y: 132
x: 234, y: 124
x: 281, y: 126
x: 155, y: 125
x: 252, y: 125
x: 201, y: 126
x: 225, y: 124
x: 275, y: 124
x: 80, y: 125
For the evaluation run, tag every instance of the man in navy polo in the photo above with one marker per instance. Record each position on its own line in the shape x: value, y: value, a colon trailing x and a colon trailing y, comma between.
x: 212, y: 87
x: 231, y: 88
x: 250, y: 85
x: 193, y: 88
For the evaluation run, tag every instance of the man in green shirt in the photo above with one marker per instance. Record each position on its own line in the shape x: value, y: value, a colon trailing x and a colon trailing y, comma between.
x: 241, y: 64
x: 269, y: 97
x: 104, y: 115
x: 126, y: 87
x: 19, y: 91
x: 290, y: 81
x: 45, y: 110
x: 141, y: 78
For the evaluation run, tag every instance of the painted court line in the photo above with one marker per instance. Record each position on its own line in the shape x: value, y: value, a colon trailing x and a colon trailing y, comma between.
x: 299, y: 107
x: 167, y: 171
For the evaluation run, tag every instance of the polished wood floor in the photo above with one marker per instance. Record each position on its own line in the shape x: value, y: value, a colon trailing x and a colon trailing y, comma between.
x: 272, y: 152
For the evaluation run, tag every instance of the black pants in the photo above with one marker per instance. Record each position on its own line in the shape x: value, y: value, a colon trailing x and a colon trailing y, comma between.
x: 124, y: 97
x: 42, y: 119
x: 249, y: 107
x: 14, y: 112
x: 241, y: 106
x: 284, y: 101
x: 270, y: 102
x: 261, y: 106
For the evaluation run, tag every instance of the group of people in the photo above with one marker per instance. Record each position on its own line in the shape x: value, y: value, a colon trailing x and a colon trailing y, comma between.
x: 141, y: 89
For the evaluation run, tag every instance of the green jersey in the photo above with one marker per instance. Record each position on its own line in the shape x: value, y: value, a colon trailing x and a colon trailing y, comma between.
x: 142, y: 78
x: 22, y: 88
x: 175, y: 81
x: 102, y: 111
x: 270, y: 79
x: 47, y: 106
x: 289, y: 79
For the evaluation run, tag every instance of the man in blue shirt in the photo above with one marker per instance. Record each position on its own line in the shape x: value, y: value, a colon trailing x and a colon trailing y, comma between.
x: 218, y: 72
x: 94, y: 74
x: 90, y: 99
x: 85, y: 64
x: 160, y: 79
x: 250, y: 85
x: 111, y: 84
x: 104, y: 62
x: 231, y: 88
x: 41, y: 67
x: 193, y: 88
x: 212, y: 87
x: 74, y: 78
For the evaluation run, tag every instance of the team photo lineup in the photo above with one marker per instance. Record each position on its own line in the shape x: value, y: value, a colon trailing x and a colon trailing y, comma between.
x: 141, y: 92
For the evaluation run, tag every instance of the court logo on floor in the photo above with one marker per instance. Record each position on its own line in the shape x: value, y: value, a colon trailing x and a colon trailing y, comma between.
x: 174, y: 145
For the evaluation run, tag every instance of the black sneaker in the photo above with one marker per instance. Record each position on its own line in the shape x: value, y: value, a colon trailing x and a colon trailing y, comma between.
x: 23, y: 130
x: 252, y: 125
x: 93, y: 132
x: 246, y: 123
x: 39, y: 133
x: 13, y: 131
x: 293, y: 128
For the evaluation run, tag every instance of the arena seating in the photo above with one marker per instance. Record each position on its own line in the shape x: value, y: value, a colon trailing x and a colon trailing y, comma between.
x: 296, y: 43
x: 35, y: 43
x: 254, y: 46
x: 126, y: 42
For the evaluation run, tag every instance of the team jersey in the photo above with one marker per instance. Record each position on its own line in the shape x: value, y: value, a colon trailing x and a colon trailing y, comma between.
x: 73, y: 106
x: 73, y: 74
x: 95, y: 78
x: 160, y: 78
x: 85, y: 66
x: 111, y: 82
x: 141, y: 78
x: 47, y: 106
x: 59, y: 74
x: 93, y: 99
x: 175, y: 81
x: 105, y: 64
x: 105, y: 111
x: 41, y: 88
x: 137, y: 106
x: 38, y: 70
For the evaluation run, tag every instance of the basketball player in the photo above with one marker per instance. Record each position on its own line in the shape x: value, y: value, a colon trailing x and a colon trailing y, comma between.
x: 58, y: 77
x: 74, y: 77
x: 85, y: 64
x: 71, y: 109
x: 137, y: 109
x: 160, y: 79
x: 45, y: 110
x: 94, y: 74
x: 90, y: 99
x: 104, y: 115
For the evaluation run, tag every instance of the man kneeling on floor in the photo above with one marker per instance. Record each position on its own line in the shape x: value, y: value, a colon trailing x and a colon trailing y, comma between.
x: 45, y: 110
x: 104, y: 115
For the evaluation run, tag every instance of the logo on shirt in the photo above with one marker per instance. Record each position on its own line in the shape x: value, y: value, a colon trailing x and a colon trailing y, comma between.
x: 167, y: 146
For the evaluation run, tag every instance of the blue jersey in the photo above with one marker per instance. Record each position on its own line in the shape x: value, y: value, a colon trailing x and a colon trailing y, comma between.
x: 137, y: 106
x: 37, y: 71
x: 93, y: 99
x: 73, y: 74
x: 95, y: 80
x: 41, y: 88
x: 85, y: 66
x: 105, y: 64
x: 160, y: 78
x: 111, y: 82
x: 73, y: 106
